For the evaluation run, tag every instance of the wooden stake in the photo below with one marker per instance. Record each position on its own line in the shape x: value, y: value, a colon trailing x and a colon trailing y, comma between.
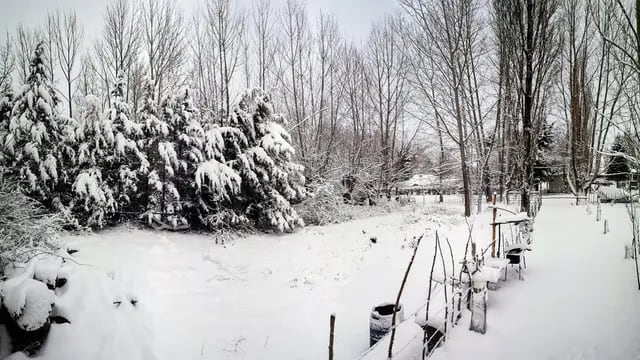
x: 395, y: 310
x: 332, y: 324
x: 493, y: 228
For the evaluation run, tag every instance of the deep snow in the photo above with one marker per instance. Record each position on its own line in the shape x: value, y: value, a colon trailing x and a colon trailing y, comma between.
x: 579, y: 298
x: 270, y: 296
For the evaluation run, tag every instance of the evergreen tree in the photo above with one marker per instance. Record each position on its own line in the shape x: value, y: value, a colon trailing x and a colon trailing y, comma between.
x: 262, y: 155
x: 618, y: 167
x: 193, y: 148
x: 126, y: 162
x: 542, y: 169
x: 36, y: 146
x: 94, y: 200
x: 6, y: 103
x: 162, y: 196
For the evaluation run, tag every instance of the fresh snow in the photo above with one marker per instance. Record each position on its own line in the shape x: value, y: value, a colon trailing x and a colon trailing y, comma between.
x: 270, y: 296
x: 29, y: 302
x: 579, y: 298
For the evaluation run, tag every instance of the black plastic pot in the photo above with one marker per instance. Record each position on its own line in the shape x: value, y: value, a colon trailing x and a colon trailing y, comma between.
x: 380, y: 320
x: 514, y: 256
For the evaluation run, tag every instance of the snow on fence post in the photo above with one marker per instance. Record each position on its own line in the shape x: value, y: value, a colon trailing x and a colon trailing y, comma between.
x: 479, y: 309
x: 332, y: 324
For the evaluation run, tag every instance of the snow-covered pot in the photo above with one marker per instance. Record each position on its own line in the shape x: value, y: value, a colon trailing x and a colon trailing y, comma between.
x: 381, y: 319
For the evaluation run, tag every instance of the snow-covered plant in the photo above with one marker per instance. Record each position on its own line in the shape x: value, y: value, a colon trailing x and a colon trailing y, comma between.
x: 155, y: 129
x: 262, y: 154
x: 188, y: 178
x: 6, y: 104
x: 36, y: 145
x: 93, y: 199
x: 25, y: 227
x: 126, y: 161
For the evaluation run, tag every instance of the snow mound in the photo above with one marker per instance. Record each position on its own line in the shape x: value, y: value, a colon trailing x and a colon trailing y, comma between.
x: 106, y: 321
x: 46, y: 270
x: 29, y: 302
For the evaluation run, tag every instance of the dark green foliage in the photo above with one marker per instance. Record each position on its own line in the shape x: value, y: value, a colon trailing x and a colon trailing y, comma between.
x: 618, y: 167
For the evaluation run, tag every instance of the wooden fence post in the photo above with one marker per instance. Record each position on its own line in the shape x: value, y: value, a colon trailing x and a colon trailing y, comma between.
x: 332, y: 324
x: 493, y: 228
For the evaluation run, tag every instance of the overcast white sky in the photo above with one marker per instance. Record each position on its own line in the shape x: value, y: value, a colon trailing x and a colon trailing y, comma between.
x: 354, y: 16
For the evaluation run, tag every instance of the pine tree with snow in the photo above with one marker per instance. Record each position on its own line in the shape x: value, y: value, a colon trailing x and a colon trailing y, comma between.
x: 126, y: 161
x: 93, y: 201
x: 259, y: 149
x: 618, y: 167
x: 154, y: 189
x: 6, y: 104
x: 36, y: 145
x: 187, y: 172
x: 218, y: 184
x: 542, y: 169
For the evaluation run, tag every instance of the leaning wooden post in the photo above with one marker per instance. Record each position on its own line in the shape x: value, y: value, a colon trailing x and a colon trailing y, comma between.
x: 395, y: 309
x: 332, y: 324
x: 493, y: 228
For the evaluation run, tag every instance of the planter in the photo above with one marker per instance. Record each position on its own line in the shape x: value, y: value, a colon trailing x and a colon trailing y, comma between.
x: 514, y: 256
x: 380, y: 321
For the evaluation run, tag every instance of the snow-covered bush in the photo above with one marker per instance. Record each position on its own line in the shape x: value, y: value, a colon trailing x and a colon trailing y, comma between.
x: 154, y: 190
x: 25, y: 228
x: 6, y: 104
x: 123, y: 167
x: 323, y: 206
x: 93, y: 200
x: 259, y: 150
x: 35, y: 147
x: 55, y: 310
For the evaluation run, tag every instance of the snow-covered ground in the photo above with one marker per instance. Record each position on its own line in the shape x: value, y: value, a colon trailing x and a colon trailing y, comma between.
x: 270, y: 296
x: 579, y: 298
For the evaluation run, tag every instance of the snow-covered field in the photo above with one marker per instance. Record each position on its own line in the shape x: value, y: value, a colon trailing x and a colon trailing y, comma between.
x: 579, y: 298
x: 270, y: 296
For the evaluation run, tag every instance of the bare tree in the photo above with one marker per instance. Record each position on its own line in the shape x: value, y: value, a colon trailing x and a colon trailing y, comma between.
x: 441, y: 35
x: 388, y: 90
x: 293, y: 69
x: 26, y: 41
x: 49, y: 34
x: 225, y: 25
x: 119, y: 47
x: 68, y: 39
x: 164, y: 42
x: 263, y: 28
x: 7, y: 64
x: 204, y: 71
x: 533, y: 31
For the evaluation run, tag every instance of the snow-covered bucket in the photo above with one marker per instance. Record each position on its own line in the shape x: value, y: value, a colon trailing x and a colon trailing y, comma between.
x: 380, y: 321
